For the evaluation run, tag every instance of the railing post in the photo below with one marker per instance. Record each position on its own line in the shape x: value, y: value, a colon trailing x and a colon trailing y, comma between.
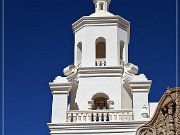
x: 120, y: 116
x: 115, y: 117
x: 125, y: 116
x: 131, y: 116
x: 94, y: 117
x: 89, y: 117
x: 74, y: 117
x: 105, y: 116
x: 69, y: 116
x: 84, y: 116
x: 78, y: 117
x: 99, y: 117
x: 103, y: 63
x: 98, y: 63
x: 110, y: 116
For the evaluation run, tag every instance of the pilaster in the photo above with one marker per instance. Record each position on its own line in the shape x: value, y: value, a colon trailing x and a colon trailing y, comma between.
x: 140, y: 89
x: 60, y: 89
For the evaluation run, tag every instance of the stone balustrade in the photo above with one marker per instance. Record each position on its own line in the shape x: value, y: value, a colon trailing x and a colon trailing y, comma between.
x: 100, y: 116
x: 101, y: 62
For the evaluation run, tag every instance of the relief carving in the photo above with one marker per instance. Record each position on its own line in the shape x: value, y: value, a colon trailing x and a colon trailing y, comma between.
x: 166, y: 120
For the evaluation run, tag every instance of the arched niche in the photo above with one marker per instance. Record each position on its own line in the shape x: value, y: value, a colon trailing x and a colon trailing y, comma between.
x: 100, y: 51
x: 121, y: 50
x: 79, y: 53
x: 100, y: 101
x: 101, y: 6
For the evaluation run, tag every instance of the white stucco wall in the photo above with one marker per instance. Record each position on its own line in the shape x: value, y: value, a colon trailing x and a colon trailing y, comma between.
x: 88, y: 35
x: 152, y: 108
x: 90, y: 86
x: 59, y: 108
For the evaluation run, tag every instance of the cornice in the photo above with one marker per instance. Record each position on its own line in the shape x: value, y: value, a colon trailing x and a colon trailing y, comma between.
x: 140, y: 86
x: 97, y: 127
x: 60, y: 88
x: 101, y: 21
x: 100, y: 72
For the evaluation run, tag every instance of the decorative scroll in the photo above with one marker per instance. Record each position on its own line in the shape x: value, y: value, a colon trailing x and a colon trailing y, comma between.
x: 166, y: 120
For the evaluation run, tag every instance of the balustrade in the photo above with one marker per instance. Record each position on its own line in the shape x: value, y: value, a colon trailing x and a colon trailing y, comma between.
x: 99, y: 115
x: 101, y: 62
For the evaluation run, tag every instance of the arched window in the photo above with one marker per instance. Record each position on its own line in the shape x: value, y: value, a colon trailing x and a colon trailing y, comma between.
x: 79, y: 53
x: 121, y: 50
x: 100, y: 101
x: 101, y: 6
x: 100, y: 51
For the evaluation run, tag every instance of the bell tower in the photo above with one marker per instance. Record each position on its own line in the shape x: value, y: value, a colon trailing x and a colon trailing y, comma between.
x: 101, y: 85
x: 101, y: 51
x: 102, y: 38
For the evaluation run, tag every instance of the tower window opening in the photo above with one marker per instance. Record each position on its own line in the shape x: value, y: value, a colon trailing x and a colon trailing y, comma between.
x: 100, y: 52
x: 100, y: 101
x: 121, y: 50
x: 101, y: 6
x: 79, y: 53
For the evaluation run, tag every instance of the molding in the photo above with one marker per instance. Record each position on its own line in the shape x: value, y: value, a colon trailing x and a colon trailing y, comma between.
x: 60, y: 88
x: 94, y: 128
x: 85, y: 72
x: 140, y: 85
x: 140, y: 90
x: 101, y: 21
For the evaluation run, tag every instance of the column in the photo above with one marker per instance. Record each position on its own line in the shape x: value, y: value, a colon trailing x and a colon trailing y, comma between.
x: 140, y: 91
x: 60, y: 89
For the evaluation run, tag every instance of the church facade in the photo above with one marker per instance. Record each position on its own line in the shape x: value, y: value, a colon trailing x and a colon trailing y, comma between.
x: 101, y: 93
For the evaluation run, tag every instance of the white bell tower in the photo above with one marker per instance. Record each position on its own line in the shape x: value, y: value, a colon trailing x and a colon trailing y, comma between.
x: 102, y: 38
x: 101, y: 51
x: 101, y: 85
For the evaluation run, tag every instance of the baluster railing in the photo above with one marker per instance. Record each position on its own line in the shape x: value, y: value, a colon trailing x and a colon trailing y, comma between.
x: 100, y: 62
x: 99, y: 116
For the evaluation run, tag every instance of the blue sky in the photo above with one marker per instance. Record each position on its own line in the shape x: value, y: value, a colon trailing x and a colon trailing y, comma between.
x: 39, y: 44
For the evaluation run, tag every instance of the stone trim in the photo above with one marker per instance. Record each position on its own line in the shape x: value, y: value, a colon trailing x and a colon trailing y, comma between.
x: 166, y: 119
x: 94, y: 128
x: 101, y: 21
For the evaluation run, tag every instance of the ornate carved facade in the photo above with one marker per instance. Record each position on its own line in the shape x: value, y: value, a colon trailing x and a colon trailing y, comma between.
x: 166, y: 120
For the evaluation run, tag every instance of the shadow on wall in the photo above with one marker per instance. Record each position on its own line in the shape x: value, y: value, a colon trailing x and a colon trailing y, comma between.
x: 73, y: 104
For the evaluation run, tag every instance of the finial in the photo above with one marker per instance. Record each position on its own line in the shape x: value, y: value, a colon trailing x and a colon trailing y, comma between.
x: 102, y: 5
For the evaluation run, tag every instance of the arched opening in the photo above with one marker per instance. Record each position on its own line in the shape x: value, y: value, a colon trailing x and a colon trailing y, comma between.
x: 100, y: 51
x: 101, y: 6
x: 100, y: 101
x: 79, y: 53
x: 121, y: 50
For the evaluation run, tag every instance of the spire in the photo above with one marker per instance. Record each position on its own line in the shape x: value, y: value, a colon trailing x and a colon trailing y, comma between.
x: 102, y: 5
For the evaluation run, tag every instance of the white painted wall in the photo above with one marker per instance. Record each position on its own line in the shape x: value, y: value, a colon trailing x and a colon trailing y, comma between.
x: 140, y: 99
x: 59, y: 108
x: 126, y: 97
x: 88, y: 36
x: 152, y: 108
x: 90, y: 86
